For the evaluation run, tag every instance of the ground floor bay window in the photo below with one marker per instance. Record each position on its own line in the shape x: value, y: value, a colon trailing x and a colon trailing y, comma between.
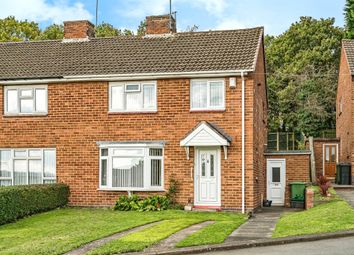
x: 131, y: 168
x: 27, y: 166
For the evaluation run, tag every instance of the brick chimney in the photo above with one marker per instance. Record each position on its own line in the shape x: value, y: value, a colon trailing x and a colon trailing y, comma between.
x: 78, y: 29
x: 158, y: 25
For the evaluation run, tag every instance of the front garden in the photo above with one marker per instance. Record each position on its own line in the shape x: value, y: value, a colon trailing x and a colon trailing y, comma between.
x: 330, y: 214
x: 62, y: 230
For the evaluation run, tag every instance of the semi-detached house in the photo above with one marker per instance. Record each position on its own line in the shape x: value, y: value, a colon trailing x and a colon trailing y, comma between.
x: 109, y: 116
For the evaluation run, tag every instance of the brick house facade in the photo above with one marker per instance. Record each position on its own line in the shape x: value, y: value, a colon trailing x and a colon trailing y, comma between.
x: 345, y: 117
x: 79, y: 81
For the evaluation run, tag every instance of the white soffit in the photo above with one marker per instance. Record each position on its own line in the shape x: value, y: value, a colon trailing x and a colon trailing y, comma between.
x: 204, y: 135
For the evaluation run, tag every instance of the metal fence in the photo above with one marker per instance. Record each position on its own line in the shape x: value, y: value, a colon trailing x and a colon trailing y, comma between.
x: 290, y: 141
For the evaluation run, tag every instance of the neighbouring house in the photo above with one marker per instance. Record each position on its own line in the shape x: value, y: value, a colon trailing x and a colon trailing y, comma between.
x: 128, y: 114
x: 345, y: 103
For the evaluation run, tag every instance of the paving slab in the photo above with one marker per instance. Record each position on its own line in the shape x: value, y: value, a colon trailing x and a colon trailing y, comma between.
x: 347, y: 195
x: 260, y: 226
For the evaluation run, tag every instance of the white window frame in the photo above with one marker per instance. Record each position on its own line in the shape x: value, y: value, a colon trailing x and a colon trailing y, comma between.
x: 141, y: 96
x: 28, y: 158
x: 147, y: 167
x: 208, y: 107
x: 27, y: 87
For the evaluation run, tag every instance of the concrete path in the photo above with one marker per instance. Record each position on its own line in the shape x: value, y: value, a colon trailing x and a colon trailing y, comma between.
x: 90, y: 246
x: 347, y: 195
x: 260, y: 226
x: 339, y: 246
x: 170, y: 242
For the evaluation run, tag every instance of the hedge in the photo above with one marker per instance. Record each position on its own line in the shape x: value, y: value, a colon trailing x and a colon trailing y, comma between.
x: 21, y: 201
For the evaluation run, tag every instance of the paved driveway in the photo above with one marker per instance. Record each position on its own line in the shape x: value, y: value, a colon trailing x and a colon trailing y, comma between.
x: 348, y: 195
x: 341, y: 246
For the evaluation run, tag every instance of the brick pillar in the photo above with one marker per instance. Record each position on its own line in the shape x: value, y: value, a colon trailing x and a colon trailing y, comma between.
x: 309, y: 199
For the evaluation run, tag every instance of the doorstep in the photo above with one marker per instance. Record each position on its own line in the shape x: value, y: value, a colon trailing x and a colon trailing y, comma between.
x: 206, y: 208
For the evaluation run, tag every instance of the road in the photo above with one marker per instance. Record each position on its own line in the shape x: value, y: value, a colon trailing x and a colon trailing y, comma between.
x: 341, y: 246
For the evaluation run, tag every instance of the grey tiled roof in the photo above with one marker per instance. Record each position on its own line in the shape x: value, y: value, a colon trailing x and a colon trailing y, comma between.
x: 182, y: 52
x: 349, y: 51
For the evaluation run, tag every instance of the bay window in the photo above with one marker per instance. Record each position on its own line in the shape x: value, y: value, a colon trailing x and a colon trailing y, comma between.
x: 131, y: 168
x: 130, y: 97
x: 27, y: 166
x: 25, y: 100
x: 207, y: 95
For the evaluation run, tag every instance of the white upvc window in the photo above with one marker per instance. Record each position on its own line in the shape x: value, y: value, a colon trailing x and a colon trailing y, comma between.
x: 26, y: 100
x: 133, y: 97
x: 27, y: 166
x: 131, y: 168
x: 207, y: 94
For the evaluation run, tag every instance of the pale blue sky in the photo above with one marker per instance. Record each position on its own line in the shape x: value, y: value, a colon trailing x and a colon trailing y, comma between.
x: 274, y: 15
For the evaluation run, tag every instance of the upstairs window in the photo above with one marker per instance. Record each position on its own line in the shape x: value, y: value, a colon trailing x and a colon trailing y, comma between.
x: 26, y: 100
x: 207, y: 95
x: 131, y: 168
x: 132, y: 97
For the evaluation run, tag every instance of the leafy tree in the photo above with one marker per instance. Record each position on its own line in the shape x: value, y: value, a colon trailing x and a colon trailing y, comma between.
x: 14, y: 30
x: 53, y: 32
x: 107, y: 30
x: 349, y: 18
x: 142, y: 28
x: 302, y: 67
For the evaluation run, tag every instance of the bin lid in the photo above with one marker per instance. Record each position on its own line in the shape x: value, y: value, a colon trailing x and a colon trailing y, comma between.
x: 297, y: 183
x: 344, y: 164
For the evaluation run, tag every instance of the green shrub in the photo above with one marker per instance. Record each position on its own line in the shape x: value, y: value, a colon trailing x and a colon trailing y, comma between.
x: 21, y: 201
x: 134, y: 203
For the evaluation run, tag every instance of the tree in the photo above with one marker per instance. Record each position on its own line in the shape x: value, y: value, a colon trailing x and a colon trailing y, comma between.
x: 193, y: 28
x: 349, y: 18
x: 14, y: 30
x: 142, y: 28
x: 302, y: 67
x: 53, y: 32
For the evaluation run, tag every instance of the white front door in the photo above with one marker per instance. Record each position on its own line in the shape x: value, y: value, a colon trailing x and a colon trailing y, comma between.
x: 276, y: 181
x: 207, y: 177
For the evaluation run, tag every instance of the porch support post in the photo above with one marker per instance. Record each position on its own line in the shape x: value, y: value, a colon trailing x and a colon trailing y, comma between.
x: 187, y: 151
x: 225, y: 151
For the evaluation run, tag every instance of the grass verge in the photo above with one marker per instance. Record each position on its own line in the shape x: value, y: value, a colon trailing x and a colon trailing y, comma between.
x: 60, y: 231
x: 212, y: 234
x: 335, y: 215
x: 140, y: 240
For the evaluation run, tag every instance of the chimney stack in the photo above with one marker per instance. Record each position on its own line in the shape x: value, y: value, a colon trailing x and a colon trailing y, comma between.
x: 79, y: 29
x: 159, y: 25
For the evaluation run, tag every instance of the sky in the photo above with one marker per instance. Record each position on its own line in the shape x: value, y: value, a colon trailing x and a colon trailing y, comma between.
x: 275, y: 15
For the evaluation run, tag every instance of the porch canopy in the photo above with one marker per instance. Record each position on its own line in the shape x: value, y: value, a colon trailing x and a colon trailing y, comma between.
x: 206, y: 134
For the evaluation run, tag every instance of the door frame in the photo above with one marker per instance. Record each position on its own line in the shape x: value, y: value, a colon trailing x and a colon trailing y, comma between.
x: 324, y: 155
x: 283, y: 161
x: 218, y: 176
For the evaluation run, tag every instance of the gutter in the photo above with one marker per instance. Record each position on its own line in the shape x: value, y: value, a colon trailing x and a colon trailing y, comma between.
x: 127, y: 77
x: 243, y: 142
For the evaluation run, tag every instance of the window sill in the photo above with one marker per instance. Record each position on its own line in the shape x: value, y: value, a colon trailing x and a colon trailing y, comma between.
x: 132, y: 189
x: 25, y: 115
x: 207, y: 110
x: 132, y: 112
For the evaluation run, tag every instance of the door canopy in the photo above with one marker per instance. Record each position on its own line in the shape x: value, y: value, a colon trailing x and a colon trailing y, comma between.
x: 206, y: 134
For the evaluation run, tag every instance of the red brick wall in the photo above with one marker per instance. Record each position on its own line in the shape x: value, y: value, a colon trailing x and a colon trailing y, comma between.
x: 345, y: 120
x: 78, y: 118
x: 297, y: 169
x: 259, y: 129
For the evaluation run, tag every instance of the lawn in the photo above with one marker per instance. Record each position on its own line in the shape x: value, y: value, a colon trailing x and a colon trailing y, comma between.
x: 62, y: 230
x: 332, y: 216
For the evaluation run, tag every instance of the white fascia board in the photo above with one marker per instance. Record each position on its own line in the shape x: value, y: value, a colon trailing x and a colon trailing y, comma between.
x: 129, y: 77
